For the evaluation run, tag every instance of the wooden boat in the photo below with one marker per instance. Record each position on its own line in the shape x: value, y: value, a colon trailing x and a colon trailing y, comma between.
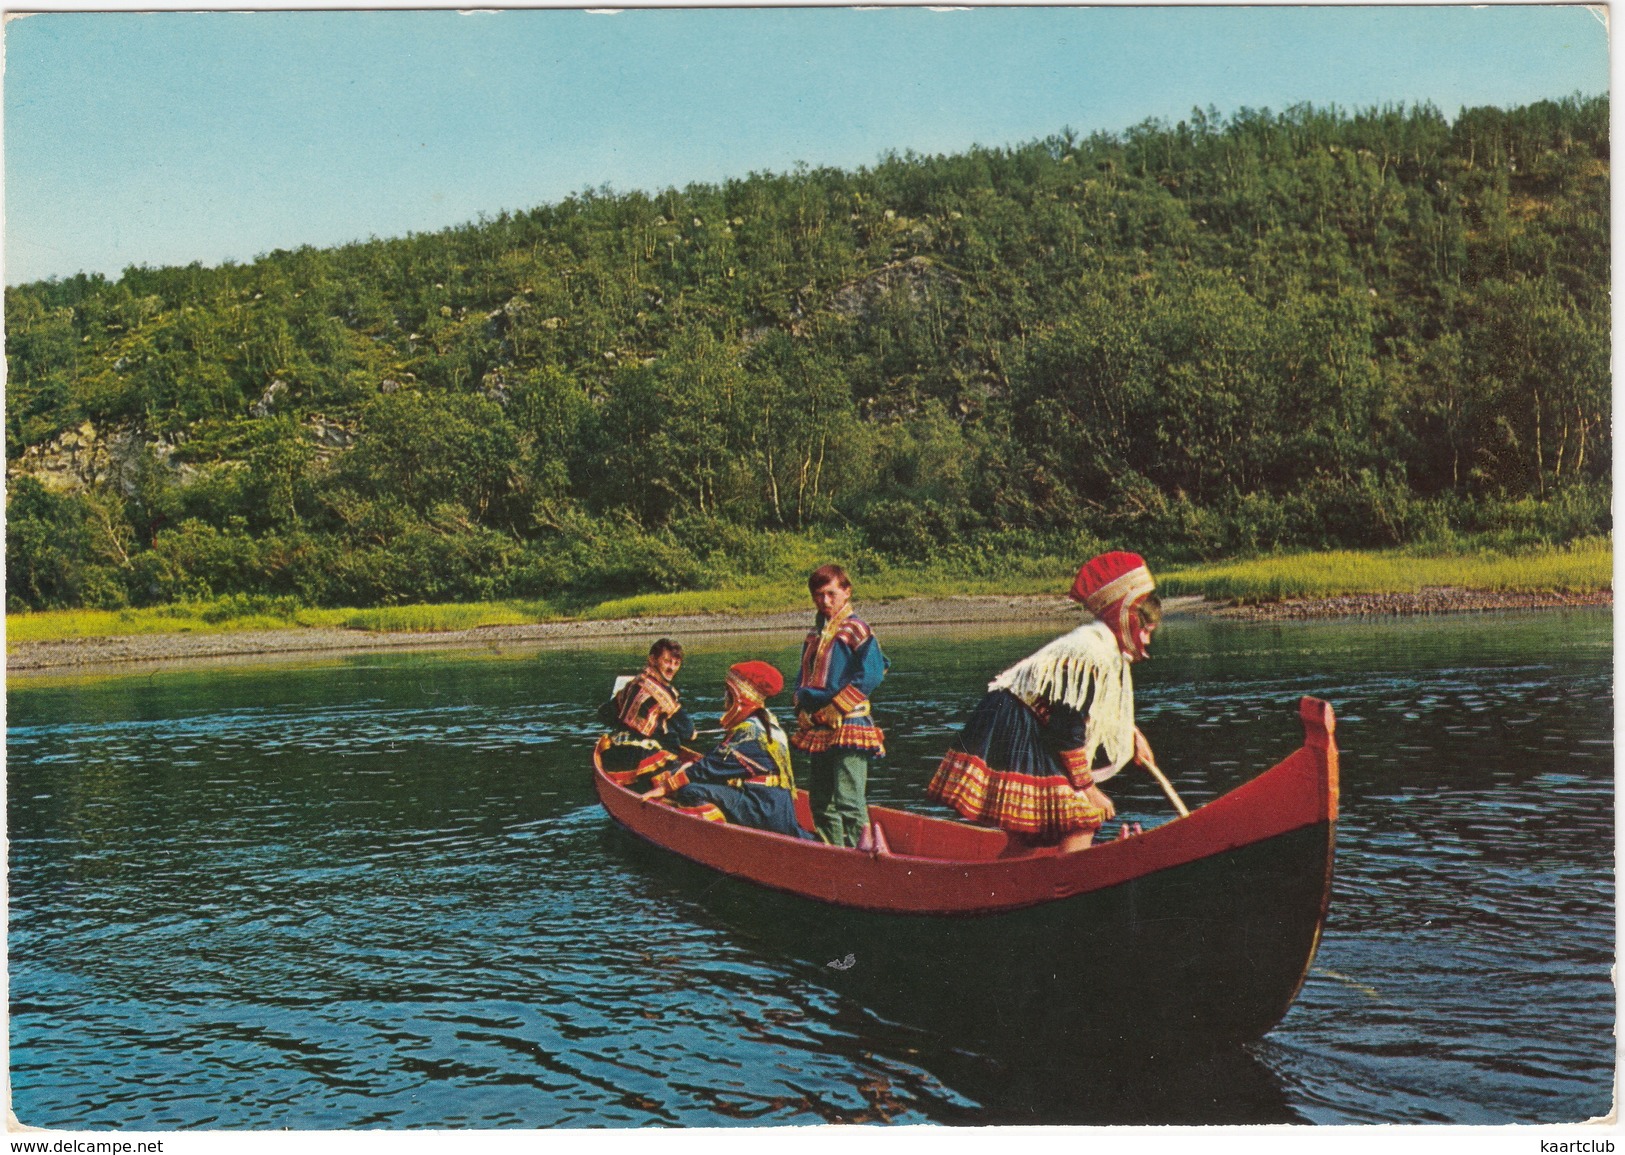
x: 1200, y: 929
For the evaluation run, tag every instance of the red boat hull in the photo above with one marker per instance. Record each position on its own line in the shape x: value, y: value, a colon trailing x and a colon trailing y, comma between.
x: 1201, y: 928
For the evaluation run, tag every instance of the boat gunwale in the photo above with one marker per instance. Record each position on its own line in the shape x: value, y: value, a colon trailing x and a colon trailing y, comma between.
x: 1307, y: 780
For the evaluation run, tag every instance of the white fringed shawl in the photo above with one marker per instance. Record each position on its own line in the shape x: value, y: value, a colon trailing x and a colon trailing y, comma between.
x: 1067, y: 670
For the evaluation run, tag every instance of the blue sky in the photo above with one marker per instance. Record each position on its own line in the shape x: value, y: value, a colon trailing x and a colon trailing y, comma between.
x: 163, y: 138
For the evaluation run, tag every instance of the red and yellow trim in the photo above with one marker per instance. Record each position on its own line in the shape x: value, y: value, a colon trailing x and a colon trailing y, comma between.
x: 706, y: 810
x: 815, y: 653
x: 668, y: 780
x: 855, y: 734
x: 1043, y: 807
x: 1128, y: 588
x: 1076, y: 765
x: 646, y: 702
x: 849, y: 699
x: 744, y: 689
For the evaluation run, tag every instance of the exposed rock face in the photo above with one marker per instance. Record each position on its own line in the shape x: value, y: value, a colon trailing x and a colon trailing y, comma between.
x: 330, y: 437
x: 267, y: 402
x: 85, y: 457
x: 89, y: 458
x: 915, y: 276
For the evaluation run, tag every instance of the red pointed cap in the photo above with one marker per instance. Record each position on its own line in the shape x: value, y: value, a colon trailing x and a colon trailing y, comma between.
x: 757, y: 680
x: 1110, y: 578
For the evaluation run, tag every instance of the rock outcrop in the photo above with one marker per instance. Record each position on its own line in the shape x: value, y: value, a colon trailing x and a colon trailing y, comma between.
x: 90, y: 458
x: 87, y: 457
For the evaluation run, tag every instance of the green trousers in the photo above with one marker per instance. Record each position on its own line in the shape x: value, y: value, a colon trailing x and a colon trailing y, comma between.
x: 838, y: 791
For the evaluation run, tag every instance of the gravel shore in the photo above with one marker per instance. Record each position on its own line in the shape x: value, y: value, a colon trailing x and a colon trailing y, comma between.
x: 1430, y: 600
x: 88, y: 655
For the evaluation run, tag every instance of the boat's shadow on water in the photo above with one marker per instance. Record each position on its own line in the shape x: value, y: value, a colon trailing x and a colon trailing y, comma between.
x: 995, y: 1075
x: 1010, y: 1083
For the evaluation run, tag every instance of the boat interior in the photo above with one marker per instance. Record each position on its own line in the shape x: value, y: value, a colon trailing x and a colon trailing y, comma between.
x: 915, y: 835
x: 919, y: 836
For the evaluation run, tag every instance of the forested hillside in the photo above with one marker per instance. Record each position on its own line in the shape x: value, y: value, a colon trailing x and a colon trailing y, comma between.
x: 1228, y: 335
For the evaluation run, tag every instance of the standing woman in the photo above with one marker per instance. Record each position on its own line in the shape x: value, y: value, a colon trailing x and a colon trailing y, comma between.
x: 1059, y: 722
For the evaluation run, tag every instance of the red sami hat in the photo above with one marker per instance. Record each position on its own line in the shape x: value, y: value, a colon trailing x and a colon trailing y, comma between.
x: 757, y: 680
x: 1110, y: 578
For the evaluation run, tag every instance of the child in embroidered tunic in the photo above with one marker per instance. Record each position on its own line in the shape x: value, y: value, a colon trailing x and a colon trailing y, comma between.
x: 1058, y: 723
x: 841, y: 666
x: 748, y: 776
x: 650, y: 724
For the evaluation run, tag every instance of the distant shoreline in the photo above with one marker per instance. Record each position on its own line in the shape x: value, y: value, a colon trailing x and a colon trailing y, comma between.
x: 168, y: 651
x: 1431, y: 600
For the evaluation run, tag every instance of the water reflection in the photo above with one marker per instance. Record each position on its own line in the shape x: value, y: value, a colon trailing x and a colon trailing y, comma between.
x: 379, y: 893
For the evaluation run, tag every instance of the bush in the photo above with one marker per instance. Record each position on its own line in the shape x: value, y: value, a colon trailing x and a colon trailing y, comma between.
x: 249, y: 606
x: 156, y: 578
x: 910, y: 531
x: 102, y: 588
x: 195, y: 561
x: 616, y: 557
x: 1364, y: 511
x: 632, y: 562
x: 1255, y: 523
x: 1576, y: 511
x: 715, y: 540
x: 64, y: 550
x: 427, y: 563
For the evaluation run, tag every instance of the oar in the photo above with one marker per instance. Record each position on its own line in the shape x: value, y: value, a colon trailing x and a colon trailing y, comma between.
x: 1167, y: 787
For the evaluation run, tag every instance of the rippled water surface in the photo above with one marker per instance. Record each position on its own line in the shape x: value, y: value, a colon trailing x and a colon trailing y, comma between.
x: 378, y: 892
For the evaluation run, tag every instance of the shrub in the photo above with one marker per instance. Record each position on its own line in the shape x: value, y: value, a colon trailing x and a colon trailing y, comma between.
x: 910, y: 531
x: 249, y: 606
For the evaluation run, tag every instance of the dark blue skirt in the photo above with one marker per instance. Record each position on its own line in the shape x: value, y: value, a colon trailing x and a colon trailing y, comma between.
x: 763, y: 807
x: 1006, y: 735
x: 1002, y: 771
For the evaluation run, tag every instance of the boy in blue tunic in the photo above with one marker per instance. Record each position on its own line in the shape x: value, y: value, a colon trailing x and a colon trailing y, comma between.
x: 748, y: 776
x: 841, y: 666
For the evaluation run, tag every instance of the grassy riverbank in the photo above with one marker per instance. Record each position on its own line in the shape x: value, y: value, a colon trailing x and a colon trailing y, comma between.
x: 239, y: 614
x: 1581, y: 568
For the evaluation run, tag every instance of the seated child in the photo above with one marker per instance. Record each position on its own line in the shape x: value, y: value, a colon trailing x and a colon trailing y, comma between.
x: 748, y: 776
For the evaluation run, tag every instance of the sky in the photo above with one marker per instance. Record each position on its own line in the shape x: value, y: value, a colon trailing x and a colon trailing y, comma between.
x: 171, y: 137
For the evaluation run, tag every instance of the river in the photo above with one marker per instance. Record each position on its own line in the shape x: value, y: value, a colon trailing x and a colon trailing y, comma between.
x: 377, y: 892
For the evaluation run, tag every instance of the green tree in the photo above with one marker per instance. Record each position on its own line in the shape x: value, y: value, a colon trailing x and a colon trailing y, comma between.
x: 427, y: 448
